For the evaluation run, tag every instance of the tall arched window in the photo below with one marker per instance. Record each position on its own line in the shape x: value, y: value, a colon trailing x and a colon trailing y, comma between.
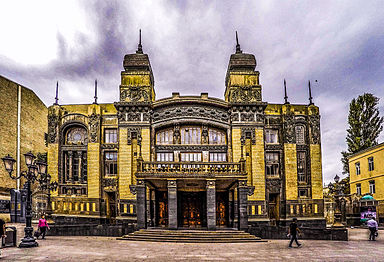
x: 74, y: 160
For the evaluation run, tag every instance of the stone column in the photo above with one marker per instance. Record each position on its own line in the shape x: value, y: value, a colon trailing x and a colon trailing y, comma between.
x: 172, y: 204
x: 80, y: 156
x: 70, y: 157
x: 242, y: 198
x: 141, y: 204
x: 211, y: 205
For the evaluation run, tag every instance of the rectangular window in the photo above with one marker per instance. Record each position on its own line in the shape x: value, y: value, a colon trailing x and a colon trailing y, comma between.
x: 164, y: 157
x: 164, y: 137
x: 303, y: 193
x: 372, y: 188
x: 272, y: 164
x: 358, y: 189
x: 357, y: 166
x: 110, y: 163
x: 371, y: 166
x: 271, y: 136
x: 216, y: 137
x: 190, y: 157
x: 217, y: 157
x: 190, y: 135
x: 110, y: 136
x: 300, y: 135
x: 301, y: 166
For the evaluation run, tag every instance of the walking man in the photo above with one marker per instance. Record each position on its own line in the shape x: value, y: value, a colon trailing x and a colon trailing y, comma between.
x: 373, y: 227
x: 293, y: 231
x: 2, y: 233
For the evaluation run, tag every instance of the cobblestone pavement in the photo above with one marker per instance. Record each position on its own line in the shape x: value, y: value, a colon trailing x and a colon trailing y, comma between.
x: 110, y: 249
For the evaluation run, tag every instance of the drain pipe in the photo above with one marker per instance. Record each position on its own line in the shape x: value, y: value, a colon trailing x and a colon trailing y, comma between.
x: 18, y: 133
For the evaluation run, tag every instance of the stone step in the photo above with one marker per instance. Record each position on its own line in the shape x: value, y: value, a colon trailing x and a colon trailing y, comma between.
x: 191, y: 236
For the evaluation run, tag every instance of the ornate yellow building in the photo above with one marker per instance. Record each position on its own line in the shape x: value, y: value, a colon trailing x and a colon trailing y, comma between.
x: 367, y: 174
x: 187, y: 161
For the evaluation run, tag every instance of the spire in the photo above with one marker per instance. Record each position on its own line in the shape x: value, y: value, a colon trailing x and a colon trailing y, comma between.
x: 139, y: 46
x: 238, y: 50
x: 95, y: 92
x: 285, y: 93
x: 57, y: 93
x: 310, y: 93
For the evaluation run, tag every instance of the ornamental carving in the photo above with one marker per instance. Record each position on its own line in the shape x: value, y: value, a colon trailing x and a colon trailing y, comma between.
x: 314, y: 123
x: 245, y: 94
x: 247, y: 113
x: 289, y: 128
x: 167, y: 113
x: 176, y: 134
x: 53, y: 121
x: 251, y: 190
x: 94, y: 122
x: 133, y: 132
x: 110, y: 183
x: 249, y: 132
x: 134, y: 94
x: 273, y: 185
x: 134, y: 113
x: 204, y: 135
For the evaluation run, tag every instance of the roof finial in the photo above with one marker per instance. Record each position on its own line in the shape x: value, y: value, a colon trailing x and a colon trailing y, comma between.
x: 238, y: 50
x: 285, y: 93
x: 139, y: 46
x: 95, y: 92
x: 57, y: 93
x: 310, y: 93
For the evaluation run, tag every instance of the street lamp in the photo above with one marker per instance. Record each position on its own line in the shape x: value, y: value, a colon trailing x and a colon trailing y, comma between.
x: 34, y: 170
x: 337, y: 190
x: 46, y: 184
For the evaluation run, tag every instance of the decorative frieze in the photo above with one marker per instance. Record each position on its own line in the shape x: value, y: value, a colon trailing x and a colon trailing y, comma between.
x: 191, y: 148
x: 245, y: 94
x: 289, y: 128
x: 202, y: 112
x: 248, y: 113
x: 53, y: 121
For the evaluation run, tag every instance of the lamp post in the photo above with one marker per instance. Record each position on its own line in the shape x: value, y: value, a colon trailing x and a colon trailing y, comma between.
x: 31, y: 175
x: 46, y: 184
x: 337, y: 190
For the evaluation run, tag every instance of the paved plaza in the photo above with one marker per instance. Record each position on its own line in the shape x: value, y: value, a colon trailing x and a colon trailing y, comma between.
x: 110, y: 249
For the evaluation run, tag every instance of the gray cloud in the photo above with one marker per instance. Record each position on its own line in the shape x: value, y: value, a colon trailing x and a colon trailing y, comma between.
x: 189, y: 43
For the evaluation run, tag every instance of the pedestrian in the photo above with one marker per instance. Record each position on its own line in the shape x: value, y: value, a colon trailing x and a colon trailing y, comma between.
x: 373, y: 227
x: 43, y: 226
x: 2, y: 233
x: 293, y: 231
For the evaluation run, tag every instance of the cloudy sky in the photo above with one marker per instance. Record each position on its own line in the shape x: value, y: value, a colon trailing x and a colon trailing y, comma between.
x: 338, y: 43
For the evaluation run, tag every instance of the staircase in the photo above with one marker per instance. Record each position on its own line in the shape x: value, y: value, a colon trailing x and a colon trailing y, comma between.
x: 191, y: 236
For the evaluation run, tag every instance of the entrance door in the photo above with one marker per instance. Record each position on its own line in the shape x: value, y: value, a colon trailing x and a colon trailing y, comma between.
x: 273, y: 207
x: 192, y: 209
x: 221, y: 209
x: 111, y: 206
x: 162, y: 208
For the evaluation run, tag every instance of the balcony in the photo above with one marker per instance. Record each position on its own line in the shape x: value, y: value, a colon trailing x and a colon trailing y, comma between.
x: 191, y: 170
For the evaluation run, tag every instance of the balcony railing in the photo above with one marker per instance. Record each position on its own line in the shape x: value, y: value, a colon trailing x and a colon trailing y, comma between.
x: 196, y: 169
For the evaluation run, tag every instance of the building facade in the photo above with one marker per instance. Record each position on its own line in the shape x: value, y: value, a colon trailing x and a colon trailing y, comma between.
x: 23, y: 126
x: 366, y: 171
x: 187, y: 161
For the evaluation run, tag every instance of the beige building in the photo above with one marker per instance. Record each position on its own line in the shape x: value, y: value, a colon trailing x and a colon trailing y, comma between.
x: 187, y: 161
x: 366, y: 170
x: 23, y: 126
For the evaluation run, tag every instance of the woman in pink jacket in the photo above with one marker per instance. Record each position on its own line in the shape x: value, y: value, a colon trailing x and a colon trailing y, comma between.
x: 43, y: 226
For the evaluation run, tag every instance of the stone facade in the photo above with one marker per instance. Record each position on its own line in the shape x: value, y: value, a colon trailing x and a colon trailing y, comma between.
x: 187, y: 161
x: 33, y: 127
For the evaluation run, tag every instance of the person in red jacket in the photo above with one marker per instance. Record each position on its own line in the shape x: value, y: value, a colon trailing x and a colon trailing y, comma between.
x: 43, y: 226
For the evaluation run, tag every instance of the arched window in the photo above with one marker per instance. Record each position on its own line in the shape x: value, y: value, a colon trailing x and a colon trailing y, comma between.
x: 300, y: 135
x: 76, y: 136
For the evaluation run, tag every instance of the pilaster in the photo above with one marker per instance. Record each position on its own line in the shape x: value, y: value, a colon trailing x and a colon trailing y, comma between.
x: 141, y: 194
x: 211, y: 204
x: 172, y: 204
